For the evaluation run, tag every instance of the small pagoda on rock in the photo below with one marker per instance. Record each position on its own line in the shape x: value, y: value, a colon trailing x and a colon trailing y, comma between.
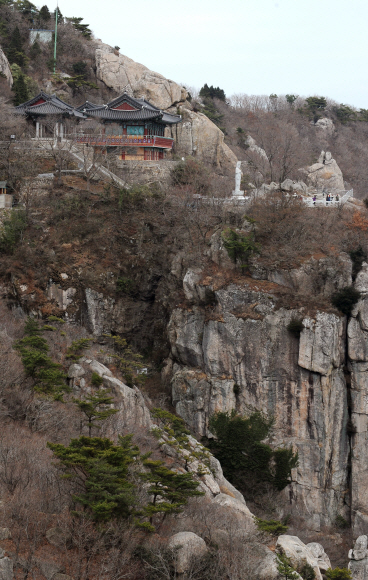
x: 134, y: 126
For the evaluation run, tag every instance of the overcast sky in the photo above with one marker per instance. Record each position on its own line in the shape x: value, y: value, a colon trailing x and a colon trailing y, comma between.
x: 304, y: 47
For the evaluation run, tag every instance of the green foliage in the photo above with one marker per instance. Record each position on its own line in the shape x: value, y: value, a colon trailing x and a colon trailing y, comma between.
x: 48, y: 377
x: 80, y: 68
x: 239, y: 448
x: 307, y: 572
x: 285, y: 568
x: 314, y: 106
x: 96, y: 407
x: 345, y: 299
x: 338, y: 574
x: 27, y: 9
x: 44, y: 13
x: 24, y: 86
x: 177, y: 438
x: 127, y: 361
x: 35, y: 50
x: 211, y: 111
x: 357, y: 256
x: 83, y: 28
x: 344, y: 113
x: 20, y: 90
x: 291, y: 99
x: 96, y: 380
x: 49, y: 327
x: 212, y: 92
x: 15, y: 51
x: 53, y: 318
x: 12, y: 231
x: 124, y: 285
x: 169, y: 490
x: 273, y: 527
x: 135, y: 197
x: 363, y: 115
x: 77, y: 347
x: 295, y: 326
x: 340, y: 522
x: 99, y: 471
x: 240, y: 247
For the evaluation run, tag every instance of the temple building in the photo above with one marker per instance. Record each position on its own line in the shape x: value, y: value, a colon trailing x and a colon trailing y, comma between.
x: 48, y: 113
x: 134, y: 126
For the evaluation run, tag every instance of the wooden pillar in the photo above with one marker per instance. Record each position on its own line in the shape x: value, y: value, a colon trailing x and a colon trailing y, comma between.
x: 37, y: 130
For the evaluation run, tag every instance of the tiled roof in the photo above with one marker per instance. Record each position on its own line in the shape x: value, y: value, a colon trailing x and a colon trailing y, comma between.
x: 88, y: 106
x: 52, y: 106
x: 145, y: 111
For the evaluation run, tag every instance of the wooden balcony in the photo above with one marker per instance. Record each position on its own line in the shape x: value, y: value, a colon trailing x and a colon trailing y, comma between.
x: 126, y: 141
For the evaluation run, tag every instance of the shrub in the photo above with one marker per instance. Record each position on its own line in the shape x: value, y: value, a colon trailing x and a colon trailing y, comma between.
x: 357, y: 256
x: 295, y: 326
x: 77, y: 347
x: 124, y: 285
x: 285, y: 568
x: 273, y: 527
x: 96, y: 380
x: 239, y: 247
x: 307, y: 572
x: 340, y: 521
x: 239, y: 448
x: 338, y: 574
x: 345, y: 299
x: 47, y: 376
x: 12, y: 231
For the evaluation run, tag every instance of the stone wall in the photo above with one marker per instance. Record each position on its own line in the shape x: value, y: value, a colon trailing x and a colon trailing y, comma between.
x: 144, y: 172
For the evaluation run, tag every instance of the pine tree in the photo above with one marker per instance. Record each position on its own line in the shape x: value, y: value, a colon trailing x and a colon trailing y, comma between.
x: 96, y: 408
x: 83, y: 28
x: 99, y: 473
x: 45, y: 13
x: 170, y: 490
x: 15, y: 51
x: 20, y: 90
x: 48, y: 377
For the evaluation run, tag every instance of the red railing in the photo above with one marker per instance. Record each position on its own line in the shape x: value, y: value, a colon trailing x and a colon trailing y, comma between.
x: 126, y: 141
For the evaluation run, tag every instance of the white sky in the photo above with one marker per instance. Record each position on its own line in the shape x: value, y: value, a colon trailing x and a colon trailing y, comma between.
x: 304, y: 47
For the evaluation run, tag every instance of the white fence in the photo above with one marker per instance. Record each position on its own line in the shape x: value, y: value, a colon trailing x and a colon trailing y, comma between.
x: 323, y: 203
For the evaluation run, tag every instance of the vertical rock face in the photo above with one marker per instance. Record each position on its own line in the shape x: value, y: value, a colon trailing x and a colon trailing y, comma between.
x: 5, y: 68
x: 244, y: 357
x: 198, y: 136
x: 358, y: 355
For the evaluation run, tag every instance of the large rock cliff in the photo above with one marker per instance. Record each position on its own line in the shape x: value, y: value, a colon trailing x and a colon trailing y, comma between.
x: 234, y: 351
x: 197, y: 135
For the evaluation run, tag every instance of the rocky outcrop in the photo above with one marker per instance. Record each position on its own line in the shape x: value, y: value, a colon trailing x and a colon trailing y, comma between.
x: 358, y: 557
x: 6, y: 568
x: 5, y: 70
x: 187, y: 546
x: 358, y: 356
x: 196, y: 135
x: 325, y: 174
x: 243, y: 356
x: 300, y: 554
x: 122, y: 73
